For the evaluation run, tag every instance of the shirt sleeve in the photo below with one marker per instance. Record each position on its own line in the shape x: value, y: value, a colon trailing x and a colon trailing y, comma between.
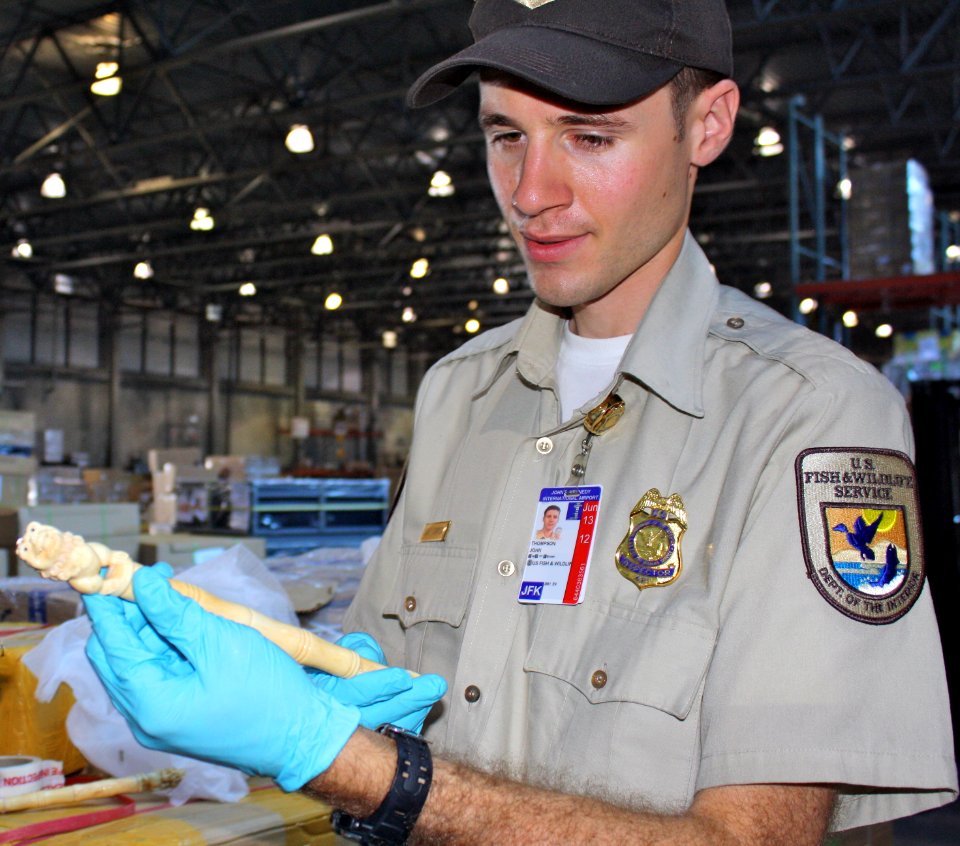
x: 800, y: 691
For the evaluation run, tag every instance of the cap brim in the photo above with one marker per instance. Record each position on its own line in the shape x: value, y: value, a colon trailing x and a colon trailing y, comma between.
x: 568, y: 65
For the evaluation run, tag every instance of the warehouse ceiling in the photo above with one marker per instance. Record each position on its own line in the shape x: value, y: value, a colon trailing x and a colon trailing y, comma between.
x: 211, y: 87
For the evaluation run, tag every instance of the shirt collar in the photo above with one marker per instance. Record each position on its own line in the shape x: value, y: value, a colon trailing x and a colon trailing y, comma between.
x: 667, y: 350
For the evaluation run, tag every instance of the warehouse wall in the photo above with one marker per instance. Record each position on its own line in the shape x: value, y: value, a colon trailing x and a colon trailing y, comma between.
x: 176, y: 381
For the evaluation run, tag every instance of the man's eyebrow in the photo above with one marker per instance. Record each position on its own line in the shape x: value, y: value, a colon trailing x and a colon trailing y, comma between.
x: 595, y: 121
x: 490, y: 119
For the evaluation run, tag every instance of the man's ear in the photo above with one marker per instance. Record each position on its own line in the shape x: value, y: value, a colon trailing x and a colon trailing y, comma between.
x: 714, y: 112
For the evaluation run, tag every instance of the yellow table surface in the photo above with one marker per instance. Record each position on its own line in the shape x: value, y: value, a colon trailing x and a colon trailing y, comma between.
x: 266, y: 817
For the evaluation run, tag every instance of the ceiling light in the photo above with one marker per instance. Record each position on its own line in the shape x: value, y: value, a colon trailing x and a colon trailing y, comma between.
x: 23, y: 249
x: 769, y: 83
x: 762, y: 290
x: 441, y: 185
x: 420, y: 268
x: 808, y: 305
x: 953, y: 252
x: 299, y: 139
x: 473, y: 305
x: 406, y: 290
x: 214, y: 312
x: 143, y: 270
x: 389, y: 339
x: 472, y: 325
x: 850, y: 319
x: 419, y: 234
x: 202, y: 220
x: 322, y: 246
x: 53, y: 187
x: 769, y: 150
x: 333, y: 301
x: 247, y: 289
x: 409, y: 315
x: 884, y: 330
x: 62, y: 283
x: 767, y: 137
x: 107, y: 83
x: 501, y: 286
x: 845, y: 189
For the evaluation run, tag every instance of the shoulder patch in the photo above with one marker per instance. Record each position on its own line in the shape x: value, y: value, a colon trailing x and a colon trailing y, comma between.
x: 860, y: 527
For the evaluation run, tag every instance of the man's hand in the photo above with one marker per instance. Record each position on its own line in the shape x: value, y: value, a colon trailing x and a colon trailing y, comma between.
x: 383, y: 696
x: 195, y: 684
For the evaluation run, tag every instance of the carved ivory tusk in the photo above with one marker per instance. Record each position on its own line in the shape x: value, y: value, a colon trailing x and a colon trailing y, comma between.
x: 67, y: 557
x: 158, y: 780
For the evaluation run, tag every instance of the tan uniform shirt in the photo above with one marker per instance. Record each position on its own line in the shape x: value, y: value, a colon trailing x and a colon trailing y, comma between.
x: 739, y: 671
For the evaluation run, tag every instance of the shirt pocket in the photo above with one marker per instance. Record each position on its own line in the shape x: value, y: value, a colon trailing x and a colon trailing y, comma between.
x: 430, y: 599
x: 620, y: 654
x: 625, y: 687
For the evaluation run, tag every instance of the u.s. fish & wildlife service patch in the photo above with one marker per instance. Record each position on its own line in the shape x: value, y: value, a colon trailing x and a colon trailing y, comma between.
x: 860, y: 527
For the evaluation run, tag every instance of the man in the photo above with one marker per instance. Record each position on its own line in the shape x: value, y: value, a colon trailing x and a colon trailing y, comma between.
x: 548, y: 529
x: 712, y: 663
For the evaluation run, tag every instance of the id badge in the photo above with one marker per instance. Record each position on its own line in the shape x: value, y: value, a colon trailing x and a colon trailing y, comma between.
x: 558, y: 559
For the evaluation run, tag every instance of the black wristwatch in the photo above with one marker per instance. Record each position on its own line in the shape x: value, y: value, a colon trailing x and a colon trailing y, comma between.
x: 393, y: 821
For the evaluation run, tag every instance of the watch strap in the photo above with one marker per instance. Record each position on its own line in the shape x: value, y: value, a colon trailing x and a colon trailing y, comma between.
x: 393, y: 821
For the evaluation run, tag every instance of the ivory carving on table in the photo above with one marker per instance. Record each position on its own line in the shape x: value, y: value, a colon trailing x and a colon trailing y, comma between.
x: 95, y: 568
x: 77, y: 793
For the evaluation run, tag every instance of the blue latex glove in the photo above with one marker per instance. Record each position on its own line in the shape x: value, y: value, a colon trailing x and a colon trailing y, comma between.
x: 383, y: 696
x: 195, y: 684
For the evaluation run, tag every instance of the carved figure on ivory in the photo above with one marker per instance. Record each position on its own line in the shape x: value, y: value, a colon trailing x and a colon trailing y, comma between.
x: 94, y: 568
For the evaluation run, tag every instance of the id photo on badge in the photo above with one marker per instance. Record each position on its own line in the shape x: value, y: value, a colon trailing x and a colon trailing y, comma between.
x: 549, y: 528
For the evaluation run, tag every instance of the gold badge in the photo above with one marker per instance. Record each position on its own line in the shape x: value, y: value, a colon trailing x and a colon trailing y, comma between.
x: 860, y: 528
x: 649, y: 554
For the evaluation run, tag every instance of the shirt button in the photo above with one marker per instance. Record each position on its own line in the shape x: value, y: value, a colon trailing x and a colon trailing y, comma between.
x: 599, y: 679
x: 472, y: 693
x: 735, y: 323
x: 544, y: 446
x: 506, y: 568
x: 410, y: 603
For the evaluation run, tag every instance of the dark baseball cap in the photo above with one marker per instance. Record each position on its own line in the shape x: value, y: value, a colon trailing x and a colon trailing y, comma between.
x: 597, y: 52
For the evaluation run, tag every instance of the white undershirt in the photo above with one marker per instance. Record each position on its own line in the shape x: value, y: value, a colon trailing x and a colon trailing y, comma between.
x: 585, y: 367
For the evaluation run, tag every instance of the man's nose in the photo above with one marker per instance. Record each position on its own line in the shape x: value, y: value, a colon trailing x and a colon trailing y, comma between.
x: 542, y: 182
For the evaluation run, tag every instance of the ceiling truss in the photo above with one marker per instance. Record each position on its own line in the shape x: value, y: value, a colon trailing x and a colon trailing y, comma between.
x: 210, y: 88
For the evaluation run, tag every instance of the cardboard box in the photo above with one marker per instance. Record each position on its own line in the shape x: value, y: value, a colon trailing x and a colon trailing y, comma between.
x: 31, y: 599
x: 93, y: 520
x: 14, y: 489
x: 116, y: 525
x: 105, y: 485
x: 179, y: 549
x: 31, y: 727
x: 232, y: 467
x: 185, y: 457
x: 18, y: 432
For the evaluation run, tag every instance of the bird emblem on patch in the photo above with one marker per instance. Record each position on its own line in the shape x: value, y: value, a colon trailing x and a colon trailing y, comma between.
x: 649, y: 554
x: 860, y: 530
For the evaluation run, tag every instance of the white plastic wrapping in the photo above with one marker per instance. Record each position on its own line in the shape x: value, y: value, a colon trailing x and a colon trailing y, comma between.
x: 98, y: 730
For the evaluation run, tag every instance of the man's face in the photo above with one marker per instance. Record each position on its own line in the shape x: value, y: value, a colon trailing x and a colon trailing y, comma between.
x: 596, y: 201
